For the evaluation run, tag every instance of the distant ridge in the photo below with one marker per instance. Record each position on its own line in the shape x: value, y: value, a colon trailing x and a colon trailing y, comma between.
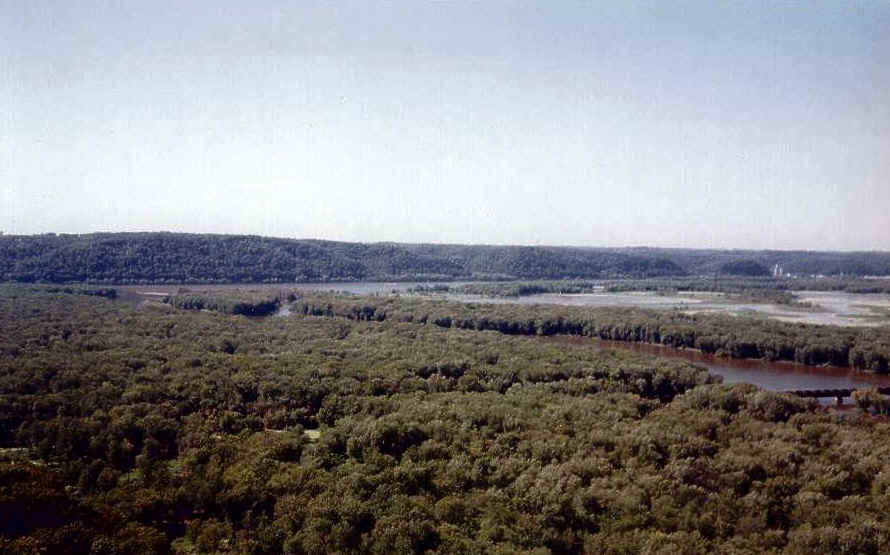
x: 162, y: 257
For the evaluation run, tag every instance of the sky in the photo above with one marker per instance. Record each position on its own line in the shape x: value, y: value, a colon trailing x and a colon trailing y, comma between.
x: 708, y: 124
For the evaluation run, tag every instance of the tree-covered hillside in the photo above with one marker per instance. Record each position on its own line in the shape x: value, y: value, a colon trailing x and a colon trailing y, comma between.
x: 748, y: 268
x: 799, y: 263
x: 185, y: 258
x: 191, y: 258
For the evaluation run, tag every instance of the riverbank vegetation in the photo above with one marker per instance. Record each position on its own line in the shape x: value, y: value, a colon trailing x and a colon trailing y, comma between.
x: 159, y: 429
x: 866, y: 349
x: 756, y: 286
x: 240, y: 302
x: 732, y: 291
x: 774, y: 290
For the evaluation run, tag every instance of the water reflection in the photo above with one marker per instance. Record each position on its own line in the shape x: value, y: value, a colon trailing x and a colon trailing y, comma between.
x: 775, y: 376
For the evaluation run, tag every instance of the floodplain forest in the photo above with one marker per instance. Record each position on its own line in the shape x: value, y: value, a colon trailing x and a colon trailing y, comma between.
x: 865, y: 348
x: 170, y: 429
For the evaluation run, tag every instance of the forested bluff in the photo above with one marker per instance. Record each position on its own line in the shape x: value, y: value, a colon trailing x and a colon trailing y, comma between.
x: 191, y: 258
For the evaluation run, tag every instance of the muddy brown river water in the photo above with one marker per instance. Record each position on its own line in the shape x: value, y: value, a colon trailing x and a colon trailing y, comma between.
x: 775, y: 376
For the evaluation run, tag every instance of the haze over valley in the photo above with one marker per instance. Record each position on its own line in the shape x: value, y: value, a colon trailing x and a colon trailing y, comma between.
x: 444, y: 277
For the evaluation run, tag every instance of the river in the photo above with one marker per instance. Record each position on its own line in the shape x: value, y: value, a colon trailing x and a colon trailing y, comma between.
x: 775, y: 376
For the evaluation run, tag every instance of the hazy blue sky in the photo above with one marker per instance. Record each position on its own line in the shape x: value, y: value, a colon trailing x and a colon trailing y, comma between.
x: 700, y: 124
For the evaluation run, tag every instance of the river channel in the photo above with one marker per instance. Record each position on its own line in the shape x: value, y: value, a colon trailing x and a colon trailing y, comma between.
x: 775, y: 376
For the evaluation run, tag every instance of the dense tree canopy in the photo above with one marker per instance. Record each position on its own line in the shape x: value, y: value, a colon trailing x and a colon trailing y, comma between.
x: 188, y: 258
x: 799, y: 263
x: 161, y: 429
x: 749, y: 268
x: 184, y: 258
x: 865, y: 349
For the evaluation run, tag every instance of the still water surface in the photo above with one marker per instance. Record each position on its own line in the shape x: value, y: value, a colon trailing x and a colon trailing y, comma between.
x: 836, y: 308
x: 827, y: 307
x: 775, y: 376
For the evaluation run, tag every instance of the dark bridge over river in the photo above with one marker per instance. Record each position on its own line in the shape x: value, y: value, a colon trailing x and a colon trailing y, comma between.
x: 838, y: 394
